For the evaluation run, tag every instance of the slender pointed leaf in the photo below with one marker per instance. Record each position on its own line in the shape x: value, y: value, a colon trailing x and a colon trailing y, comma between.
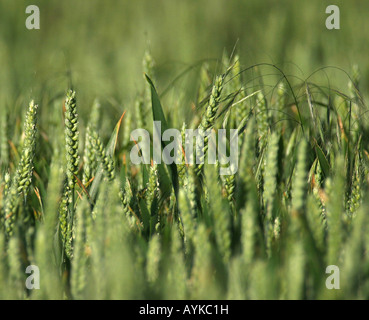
x: 158, y: 115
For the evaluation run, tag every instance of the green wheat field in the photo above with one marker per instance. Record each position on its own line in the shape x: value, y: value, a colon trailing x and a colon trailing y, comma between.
x: 97, y: 226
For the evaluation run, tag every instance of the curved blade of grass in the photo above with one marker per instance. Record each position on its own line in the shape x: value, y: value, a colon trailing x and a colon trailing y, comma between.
x: 110, y: 148
x: 322, y: 160
x: 158, y: 115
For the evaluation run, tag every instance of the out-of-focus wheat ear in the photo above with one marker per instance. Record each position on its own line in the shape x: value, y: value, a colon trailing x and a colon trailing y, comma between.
x: 106, y: 161
x: 236, y: 283
x: 248, y: 230
x: 203, y: 282
x: 219, y: 212
x: 262, y: 118
x: 295, y: 271
x: 148, y: 64
x: 205, y: 83
x: 16, y: 290
x: 280, y: 105
x: 316, y: 220
x: 7, y: 182
x: 299, y: 186
x: 79, y: 263
x: 251, y: 232
x: 236, y: 73
x: 176, y: 274
x: 354, y: 261
x: 270, y: 177
x: 140, y: 112
x: 188, y: 223
x: 227, y: 92
x: 153, y: 259
x: 335, y: 210
x: 23, y: 175
x: 89, y: 156
x: 270, y: 187
x: 11, y: 205
x: 117, y: 221
x: 260, y: 284
x: 247, y: 153
x: 299, y: 193
x: 95, y: 114
x: 4, y: 148
x: 89, y: 159
x: 201, y: 275
x: 98, y: 244
x: 98, y: 241
x: 71, y: 138
x: 44, y: 244
x: 225, y: 62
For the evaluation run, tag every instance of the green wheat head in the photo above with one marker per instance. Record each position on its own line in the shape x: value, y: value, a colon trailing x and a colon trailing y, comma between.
x: 71, y: 138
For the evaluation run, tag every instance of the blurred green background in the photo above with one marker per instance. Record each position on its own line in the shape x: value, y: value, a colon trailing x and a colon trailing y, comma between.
x: 99, y: 45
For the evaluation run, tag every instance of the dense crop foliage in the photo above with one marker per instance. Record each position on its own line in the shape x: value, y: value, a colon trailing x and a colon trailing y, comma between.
x: 99, y: 227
